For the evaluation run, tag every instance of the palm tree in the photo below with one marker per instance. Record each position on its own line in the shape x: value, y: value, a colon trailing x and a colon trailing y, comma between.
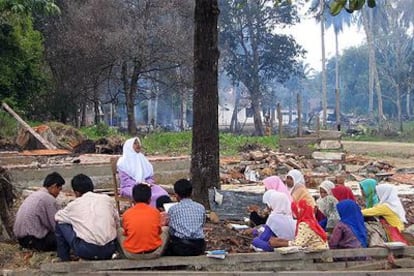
x: 337, y: 22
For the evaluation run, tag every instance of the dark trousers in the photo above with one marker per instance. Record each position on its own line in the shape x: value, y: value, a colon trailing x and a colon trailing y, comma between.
x: 185, y: 247
x: 48, y: 243
x: 66, y: 240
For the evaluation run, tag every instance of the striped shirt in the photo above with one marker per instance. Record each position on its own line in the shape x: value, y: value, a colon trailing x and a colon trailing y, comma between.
x: 36, y: 215
x: 186, y: 219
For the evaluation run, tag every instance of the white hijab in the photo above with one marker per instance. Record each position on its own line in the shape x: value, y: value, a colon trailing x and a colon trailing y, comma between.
x: 298, y: 179
x: 388, y: 195
x: 135, y: 164
x: 280, y: 220
x: 327, y: 186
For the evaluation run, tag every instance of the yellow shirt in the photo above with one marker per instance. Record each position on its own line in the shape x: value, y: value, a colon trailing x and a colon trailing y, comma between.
x: 384, y: 211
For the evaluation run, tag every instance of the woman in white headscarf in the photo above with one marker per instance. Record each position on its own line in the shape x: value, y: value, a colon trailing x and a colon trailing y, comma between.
x: 296, y: 183
x: 134, y: 168
x: 389, y: 206
x: 280, y: 222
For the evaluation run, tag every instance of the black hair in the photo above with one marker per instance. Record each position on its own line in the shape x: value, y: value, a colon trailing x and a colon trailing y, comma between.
x: 161, y: 200
x: 183, y: 188
x: 141, y: 193
x: 53, y: 178
x: 82, y: 184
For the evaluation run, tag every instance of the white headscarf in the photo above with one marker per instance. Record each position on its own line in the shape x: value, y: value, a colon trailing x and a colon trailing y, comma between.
x: 388, y: 195
x: 280, y: 220
x: 298, y: 179
x: 135, y: 164
x: 327, y: 186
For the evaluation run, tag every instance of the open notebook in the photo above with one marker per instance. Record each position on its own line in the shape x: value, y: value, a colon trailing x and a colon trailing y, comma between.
x: 167, y: 206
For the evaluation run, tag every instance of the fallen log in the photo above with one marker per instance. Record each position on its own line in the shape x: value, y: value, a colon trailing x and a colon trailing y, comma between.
x: 45, y: 143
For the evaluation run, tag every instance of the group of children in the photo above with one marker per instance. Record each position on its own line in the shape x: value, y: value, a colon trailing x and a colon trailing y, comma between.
x: 89, y: 227
x: 333, y: 221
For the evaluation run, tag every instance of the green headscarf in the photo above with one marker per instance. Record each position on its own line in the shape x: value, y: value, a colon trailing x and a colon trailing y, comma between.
x: 368, y: 187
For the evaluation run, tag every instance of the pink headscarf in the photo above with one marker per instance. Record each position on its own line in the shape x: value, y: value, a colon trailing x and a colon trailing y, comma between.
x: 275, y: 183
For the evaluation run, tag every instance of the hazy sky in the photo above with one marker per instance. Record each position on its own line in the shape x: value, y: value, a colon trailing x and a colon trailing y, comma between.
x: 308, y: 34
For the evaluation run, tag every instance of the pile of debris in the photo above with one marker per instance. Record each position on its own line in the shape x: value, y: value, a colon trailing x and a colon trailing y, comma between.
x: 254, y: 166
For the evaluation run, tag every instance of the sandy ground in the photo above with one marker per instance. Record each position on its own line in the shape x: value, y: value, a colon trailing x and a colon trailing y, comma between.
x: 399, y: 154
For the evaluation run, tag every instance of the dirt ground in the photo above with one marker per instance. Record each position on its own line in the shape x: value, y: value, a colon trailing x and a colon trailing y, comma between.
x: 219, y: 236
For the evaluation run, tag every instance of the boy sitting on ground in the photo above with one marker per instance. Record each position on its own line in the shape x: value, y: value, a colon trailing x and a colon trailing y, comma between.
x: 87, y: 225
x: 186, y: 221
x: 142, y: 237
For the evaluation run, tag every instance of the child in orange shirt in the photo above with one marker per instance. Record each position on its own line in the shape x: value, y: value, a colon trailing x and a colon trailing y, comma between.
x: 142, y: 237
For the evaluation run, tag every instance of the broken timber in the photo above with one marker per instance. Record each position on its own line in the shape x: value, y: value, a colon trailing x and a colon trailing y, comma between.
x: 272, y: 261
x: 44, y: 142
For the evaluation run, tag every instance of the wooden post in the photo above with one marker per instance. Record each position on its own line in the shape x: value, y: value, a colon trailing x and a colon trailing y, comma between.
x: 44, y: 142
x: 280, y: 119
x: 299, y: 106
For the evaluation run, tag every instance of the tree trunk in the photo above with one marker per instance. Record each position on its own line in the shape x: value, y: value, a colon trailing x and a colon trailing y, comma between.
x: 299, y: 103
x: 373, y: 72
x: 337, y: 94
x: 399, y: 107
x: 205, y: 143
x: 234, y: 124
x: 407, y: 104
x: 130, y: 89
x: 324, y: 96
x: 367, y: 23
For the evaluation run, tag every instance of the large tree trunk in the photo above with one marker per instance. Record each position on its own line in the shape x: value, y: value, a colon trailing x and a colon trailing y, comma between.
x: 205, y: 144
x: 324, y: 96
x: 130, y: 89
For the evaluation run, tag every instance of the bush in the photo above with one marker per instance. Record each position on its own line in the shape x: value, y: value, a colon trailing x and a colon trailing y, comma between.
x: 8, y: 126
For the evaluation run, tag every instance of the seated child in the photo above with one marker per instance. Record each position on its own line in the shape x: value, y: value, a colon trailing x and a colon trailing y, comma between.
x: 142, y: 236
x: 160, y: 206
x: 309, y: 233
x: 350, y: 231
x: 280, y: 222
x: 186, y: 221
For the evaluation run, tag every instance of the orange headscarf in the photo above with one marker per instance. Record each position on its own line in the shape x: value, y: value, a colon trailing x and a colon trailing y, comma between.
x: 305, y: 213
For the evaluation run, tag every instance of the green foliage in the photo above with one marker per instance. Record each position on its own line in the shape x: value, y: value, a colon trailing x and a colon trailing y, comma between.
x: 101, y: 130
x: 8, y: 126
x: 353, y: 5
x: 232, y: 144
x: 171, y: 143
x: 21, y: 62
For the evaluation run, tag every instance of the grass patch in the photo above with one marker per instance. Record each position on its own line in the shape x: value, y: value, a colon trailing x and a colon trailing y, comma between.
x: 231, y: 144
x: 8, y: 126
x: 170, y: 143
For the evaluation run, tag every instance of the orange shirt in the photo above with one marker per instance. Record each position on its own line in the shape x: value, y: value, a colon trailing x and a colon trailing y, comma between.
x: 142, y: 228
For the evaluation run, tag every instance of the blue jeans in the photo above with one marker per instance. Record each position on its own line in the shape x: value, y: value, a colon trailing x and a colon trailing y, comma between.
x: 66, y: 240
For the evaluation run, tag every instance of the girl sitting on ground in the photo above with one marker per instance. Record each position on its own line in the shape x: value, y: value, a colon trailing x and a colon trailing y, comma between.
x: 350, y: 231
x: 280, y: 222
x: 368, y: 192
x: 309, y: 234
x: 270, y: 183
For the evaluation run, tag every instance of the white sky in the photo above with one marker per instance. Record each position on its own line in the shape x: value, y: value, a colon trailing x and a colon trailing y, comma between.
x: 308, y: 35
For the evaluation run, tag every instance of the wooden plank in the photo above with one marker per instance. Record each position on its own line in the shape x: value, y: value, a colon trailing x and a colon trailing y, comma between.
x: 45, y: 152
x: 28, y: 128
x: 234, y: 261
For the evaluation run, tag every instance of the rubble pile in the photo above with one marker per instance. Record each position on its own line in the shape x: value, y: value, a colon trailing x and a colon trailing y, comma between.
x: 255, y: 165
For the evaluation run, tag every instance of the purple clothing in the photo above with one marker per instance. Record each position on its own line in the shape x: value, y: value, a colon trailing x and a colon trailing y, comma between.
x: 36, y: 215
x: 262, y: 241
x: 343, y: 237
x: 127, y: 183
